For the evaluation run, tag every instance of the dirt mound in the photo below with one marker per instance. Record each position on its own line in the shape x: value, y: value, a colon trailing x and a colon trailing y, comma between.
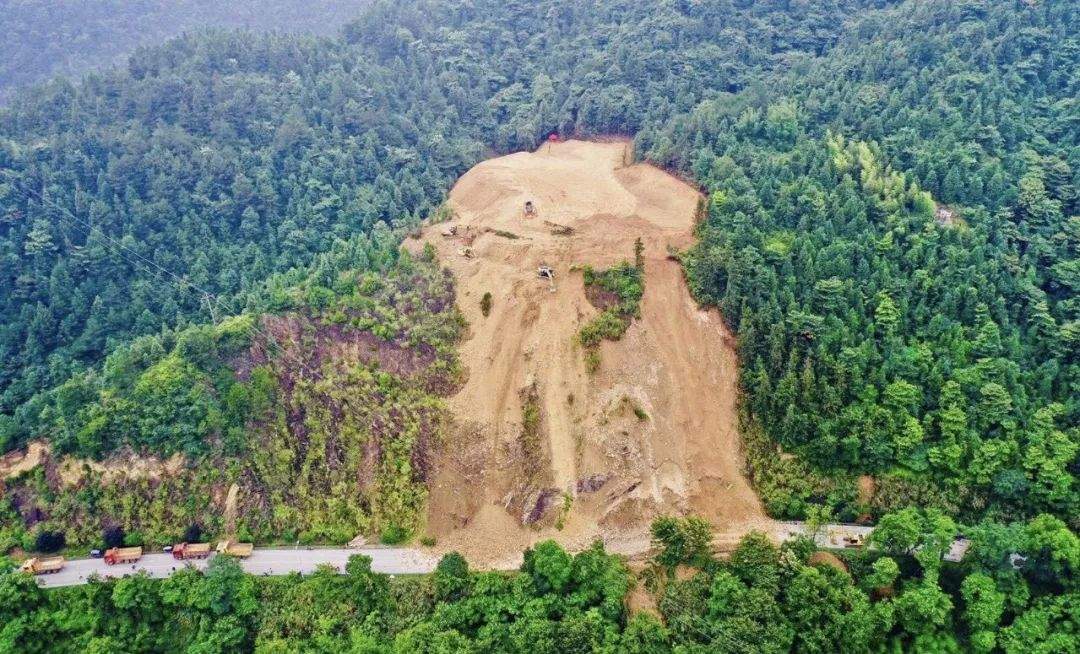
x: 652, y: 431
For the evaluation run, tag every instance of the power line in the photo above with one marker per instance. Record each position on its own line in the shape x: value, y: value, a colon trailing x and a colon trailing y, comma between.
x: 180, y: 282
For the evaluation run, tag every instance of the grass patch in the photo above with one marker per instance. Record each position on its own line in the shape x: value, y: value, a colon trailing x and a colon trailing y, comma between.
x: 564, y: 510
x: 639, y: 411
x: 617, y: 292
x: 609, y: 325
x: 592, y: 360
x: 529, y: 440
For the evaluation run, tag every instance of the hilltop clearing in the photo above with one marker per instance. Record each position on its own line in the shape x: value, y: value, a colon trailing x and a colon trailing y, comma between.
x: 542, y: 447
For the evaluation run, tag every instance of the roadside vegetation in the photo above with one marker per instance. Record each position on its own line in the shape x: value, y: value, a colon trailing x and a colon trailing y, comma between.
x: 762, y: 598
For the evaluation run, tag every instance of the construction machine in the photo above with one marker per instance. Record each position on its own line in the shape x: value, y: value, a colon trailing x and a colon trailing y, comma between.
x: 546, y: 272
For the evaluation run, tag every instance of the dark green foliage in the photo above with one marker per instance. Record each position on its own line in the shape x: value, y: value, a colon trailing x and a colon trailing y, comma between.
x: 935, y: 350
x: 193, y: 533
x: 451, y: 578
x: 113, y: 536
x: 681, y: 540
x: 49, y: 541
x: 878, y: 334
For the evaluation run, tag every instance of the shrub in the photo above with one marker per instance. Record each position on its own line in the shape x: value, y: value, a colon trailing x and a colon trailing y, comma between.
x: 592, y: 360
x: 608, y: 325
x: 451, y: 579
x: 485, y: 304
x: 394, y: 534
x: 685, y: 540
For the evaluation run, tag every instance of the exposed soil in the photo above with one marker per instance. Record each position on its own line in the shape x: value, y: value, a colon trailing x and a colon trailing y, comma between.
x: 821, y: 557
x: 614, y: 469
x: 867, y: 488
x: 17, y: 462
x: 71, y: 470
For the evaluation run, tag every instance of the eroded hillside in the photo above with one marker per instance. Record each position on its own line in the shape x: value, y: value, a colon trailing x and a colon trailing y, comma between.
x: 542, y: 447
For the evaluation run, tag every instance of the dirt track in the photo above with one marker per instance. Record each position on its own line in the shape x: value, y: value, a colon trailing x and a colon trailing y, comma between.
x: 600, y: 470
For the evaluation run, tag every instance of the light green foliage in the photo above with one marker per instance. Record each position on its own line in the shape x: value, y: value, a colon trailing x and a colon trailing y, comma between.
x: 883, y: 574
x: 619, y: 291
x: 607, y: 325
x: 925, y: 534
x: 983, y: 608
x: 682, y: 540
x: 923, y: 607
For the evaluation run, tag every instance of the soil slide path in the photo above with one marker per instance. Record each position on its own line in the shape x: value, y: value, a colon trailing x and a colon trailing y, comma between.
x: 542, y: 448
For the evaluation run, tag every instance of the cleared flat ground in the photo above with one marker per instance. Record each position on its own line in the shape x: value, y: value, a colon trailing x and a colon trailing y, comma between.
x: 606, y: 471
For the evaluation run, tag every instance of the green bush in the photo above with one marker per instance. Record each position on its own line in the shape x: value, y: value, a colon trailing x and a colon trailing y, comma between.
x: 607, y: 325
x: 393, y: 534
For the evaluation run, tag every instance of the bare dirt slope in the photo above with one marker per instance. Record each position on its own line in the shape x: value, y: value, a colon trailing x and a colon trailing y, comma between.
x: 596, y: 467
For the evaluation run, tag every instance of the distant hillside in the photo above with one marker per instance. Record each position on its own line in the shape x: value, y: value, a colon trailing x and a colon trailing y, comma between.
x: 43, y: 39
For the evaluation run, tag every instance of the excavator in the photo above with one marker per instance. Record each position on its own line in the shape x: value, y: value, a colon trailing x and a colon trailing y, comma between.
x: 546, y: 272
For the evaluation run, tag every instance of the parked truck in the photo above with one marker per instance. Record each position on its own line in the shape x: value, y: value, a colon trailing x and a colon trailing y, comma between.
x: 185, y: 551
x: 43, y: 566
x: 232, y: 548
x: 115, y: 555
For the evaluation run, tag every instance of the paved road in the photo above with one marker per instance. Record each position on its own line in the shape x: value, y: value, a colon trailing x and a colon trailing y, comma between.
x: 389, y: 560
x: 404, y: 560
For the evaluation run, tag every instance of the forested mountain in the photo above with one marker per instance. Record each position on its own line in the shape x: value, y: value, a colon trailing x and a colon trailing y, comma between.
x: 48, y: 38
x: 874, y: 339
x: 891, y: 229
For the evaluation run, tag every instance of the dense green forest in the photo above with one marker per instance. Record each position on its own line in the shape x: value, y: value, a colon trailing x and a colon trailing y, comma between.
x: 907, y: 303
x: 44, y: 39
x: 763, y: 599
x: 891, y: 226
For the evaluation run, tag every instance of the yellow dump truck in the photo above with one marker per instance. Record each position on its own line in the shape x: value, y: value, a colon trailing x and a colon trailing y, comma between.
x: 232, y: 548
x: 43, y: 566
